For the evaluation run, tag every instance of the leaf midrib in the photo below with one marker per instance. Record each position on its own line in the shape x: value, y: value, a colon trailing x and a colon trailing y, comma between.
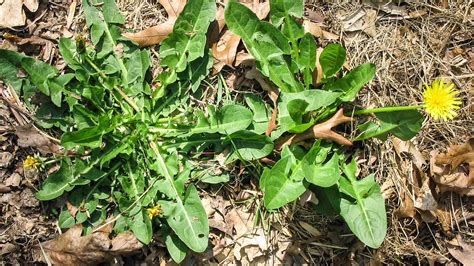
x: 178, y: 198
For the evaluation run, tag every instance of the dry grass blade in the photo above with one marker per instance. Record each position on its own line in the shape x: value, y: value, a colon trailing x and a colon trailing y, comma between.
x: 320, y: 131
x: 158, y: 33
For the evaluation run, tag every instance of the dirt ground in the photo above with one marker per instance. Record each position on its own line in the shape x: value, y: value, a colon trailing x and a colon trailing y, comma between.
x: 410, y: 43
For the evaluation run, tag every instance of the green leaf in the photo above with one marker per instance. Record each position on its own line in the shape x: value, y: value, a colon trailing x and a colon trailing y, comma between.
x: 316, y: 100
x: 188, y: 220
x: 248, y: 146
x: 264, y: 42
x: 402, y: 124
x: 140, y: 224
x: 352, y: 83
x: 332, y: 59
x: 103, y: 30
x: 366, y: 215
x: 175, y: 247
x: 261, y: 115
x: 231, y: 118
x: 56, y: 183
x: 10, y: 63
x: 297, y: 108
x: 186, y: 216
x: 281, y: 184
x: 39, y: 73
x: 111, y: 12
x: 65, y: 178
x: 329, y: 200
x: 214, y: 179
x: 323, y: 175
x: 197, y: 70
x: 114, y: 151
x: 65, y: 219
x: 188, y: 40
x: 279, y: 9
x: 307, y: 57
x: 137, y: 64
x: 68, y: 50
x: 89, y: 137
x: 408, y: 123
x: 56, y: 87
x: 282, y: 12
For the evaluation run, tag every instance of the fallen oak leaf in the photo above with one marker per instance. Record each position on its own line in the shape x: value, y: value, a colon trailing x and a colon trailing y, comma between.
x: 225, y: 49
x: 320, y: 131
x: 448, y: 172
x: 465, y: 255
x: 71, y: 248
x: 156, y: 34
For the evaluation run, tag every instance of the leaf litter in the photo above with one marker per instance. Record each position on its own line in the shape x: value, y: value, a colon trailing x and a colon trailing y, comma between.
x: 71, y: 248
x: 446, y: 164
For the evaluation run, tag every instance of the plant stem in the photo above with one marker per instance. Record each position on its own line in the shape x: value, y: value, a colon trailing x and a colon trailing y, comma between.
x: 95, y: 67
x: 386, y: 109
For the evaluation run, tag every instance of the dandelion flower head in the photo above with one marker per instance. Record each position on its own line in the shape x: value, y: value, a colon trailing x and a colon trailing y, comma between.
x: 154, y: 211
x: 31, y: 162
x: 440, y: 100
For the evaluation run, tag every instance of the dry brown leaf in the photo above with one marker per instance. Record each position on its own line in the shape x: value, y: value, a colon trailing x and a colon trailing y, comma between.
x: 71, y: 248
x: 407, y: 147
x: 361, y: 20
x: 312, y: 28
x: 244, y: 58
x: 318, y: 71
x: 241, y: 222
x: 369, y: 22
x: 225, y: 49
x: 320, y: 131
x: 316, y: 16
x: 465, y: 255
x: 12, y: 13
x: 425, y: 199
x: 454, y: 170
x: 29, y: 136
x: 156, y: 34
x: 251, y: 246
x: 406, y: 208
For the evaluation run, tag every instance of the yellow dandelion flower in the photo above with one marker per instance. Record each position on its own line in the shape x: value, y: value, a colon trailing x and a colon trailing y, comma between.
x: 440, y: 100
x: 31, y: 162
x: 154, y: 211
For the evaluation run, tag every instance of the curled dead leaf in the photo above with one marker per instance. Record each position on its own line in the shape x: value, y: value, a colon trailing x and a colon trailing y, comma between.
x: 156, y: 34
x: 225, y: 48
x: 320, y: 131
x: 71, y: 248
x: 454, y: 170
